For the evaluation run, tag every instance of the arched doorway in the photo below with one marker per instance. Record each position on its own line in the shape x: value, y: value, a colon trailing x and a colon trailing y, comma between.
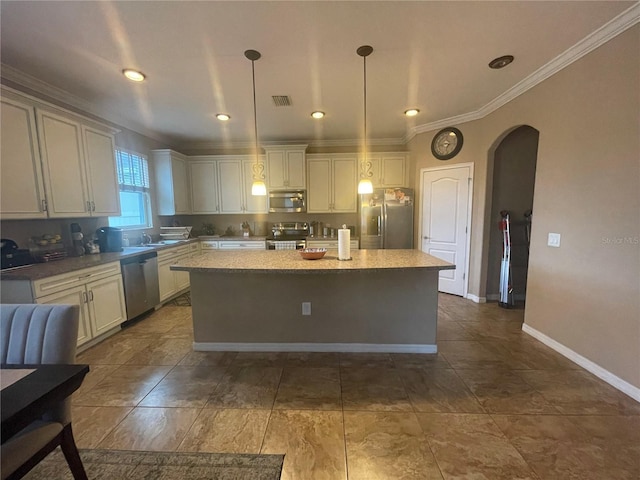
x: 514, y: 168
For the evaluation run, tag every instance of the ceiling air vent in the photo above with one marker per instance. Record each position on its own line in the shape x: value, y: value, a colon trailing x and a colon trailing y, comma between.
x: 281, y: 100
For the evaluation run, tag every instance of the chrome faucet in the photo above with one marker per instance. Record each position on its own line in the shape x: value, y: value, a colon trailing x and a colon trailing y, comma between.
x: 145, y: 239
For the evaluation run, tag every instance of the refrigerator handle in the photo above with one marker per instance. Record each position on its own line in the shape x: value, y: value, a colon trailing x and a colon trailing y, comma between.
x: 379, y: 232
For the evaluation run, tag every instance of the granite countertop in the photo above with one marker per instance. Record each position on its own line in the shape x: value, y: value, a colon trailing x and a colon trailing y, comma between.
x: 289, y: 261
x: 38, y: 271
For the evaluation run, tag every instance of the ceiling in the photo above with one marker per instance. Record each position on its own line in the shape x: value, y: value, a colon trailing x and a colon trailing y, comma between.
x: 427, y: 55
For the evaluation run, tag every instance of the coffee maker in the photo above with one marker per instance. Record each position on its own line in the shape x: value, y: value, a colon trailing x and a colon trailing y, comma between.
x: 109, y: 239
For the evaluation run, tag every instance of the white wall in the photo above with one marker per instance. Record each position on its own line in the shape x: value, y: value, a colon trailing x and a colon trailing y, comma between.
x: 585, y: 294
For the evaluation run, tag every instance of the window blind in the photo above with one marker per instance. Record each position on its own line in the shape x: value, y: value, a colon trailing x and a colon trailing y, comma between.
x: 133, y: 172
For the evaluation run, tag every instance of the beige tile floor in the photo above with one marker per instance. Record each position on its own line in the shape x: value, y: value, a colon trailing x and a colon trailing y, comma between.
x: 493, y: 404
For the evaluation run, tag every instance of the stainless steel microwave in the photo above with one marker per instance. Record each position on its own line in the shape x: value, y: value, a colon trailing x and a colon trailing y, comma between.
x: 288, y: 201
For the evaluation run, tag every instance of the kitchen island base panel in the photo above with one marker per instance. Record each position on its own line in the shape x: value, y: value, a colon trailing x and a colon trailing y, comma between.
x: 315, y: 347
x: 391, y: 308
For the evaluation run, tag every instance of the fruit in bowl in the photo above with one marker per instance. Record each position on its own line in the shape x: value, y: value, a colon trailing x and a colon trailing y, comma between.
x: 312, y: 253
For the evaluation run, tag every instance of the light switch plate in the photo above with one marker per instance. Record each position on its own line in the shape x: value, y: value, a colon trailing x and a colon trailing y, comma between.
x: 306, y: 308
x: 553, y: 240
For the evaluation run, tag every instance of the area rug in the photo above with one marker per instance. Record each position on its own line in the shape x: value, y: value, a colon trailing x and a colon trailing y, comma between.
x: 183, y: 300
x: 127, y: 464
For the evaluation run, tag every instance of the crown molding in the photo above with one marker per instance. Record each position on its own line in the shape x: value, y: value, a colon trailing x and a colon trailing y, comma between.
x: 602, y: 35
x: 355, y: 142
x: 38, y: 87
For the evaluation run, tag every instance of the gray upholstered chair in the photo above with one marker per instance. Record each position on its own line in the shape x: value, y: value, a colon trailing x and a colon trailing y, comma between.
x: 32, y: 335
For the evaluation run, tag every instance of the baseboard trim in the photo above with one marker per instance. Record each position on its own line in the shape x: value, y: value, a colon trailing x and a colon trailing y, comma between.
x: 475, y: 298
x: 613, y: 380
x: 314, y: 347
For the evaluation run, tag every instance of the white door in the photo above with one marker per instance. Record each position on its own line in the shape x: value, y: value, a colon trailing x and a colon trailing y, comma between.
x: 445, y: 217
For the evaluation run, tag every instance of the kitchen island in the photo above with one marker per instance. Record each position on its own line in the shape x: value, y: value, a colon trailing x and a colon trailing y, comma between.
x: 381, y: 301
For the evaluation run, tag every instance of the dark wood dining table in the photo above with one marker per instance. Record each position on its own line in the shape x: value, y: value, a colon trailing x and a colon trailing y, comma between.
x: 31, y: 396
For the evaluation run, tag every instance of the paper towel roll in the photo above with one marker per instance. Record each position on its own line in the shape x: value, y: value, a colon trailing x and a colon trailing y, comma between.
x: 344, y: 243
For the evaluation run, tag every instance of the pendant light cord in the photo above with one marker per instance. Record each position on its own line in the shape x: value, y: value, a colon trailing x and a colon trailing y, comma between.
x: 255, y: 115
x: 365, y: 109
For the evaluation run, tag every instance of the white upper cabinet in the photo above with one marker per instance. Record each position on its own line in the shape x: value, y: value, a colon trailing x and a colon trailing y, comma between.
x: 63, y: 165
x: 204, y: 186
x: 286, y: 167
x: 222, y: 184
x: 332, y: 183
x: 172, y: 182
x: 388, y: 169
x: 22, y: 188
x: 55, y: 163
x: 101, y: 172
x: 231, y: 180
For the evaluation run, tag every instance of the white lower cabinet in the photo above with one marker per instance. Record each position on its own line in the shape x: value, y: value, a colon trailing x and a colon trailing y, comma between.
x: 98, y: 292
x: 74, y: 296
x: 172, y: 282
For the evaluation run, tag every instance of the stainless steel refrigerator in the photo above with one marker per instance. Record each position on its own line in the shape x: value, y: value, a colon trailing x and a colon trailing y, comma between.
x: 386, y: 218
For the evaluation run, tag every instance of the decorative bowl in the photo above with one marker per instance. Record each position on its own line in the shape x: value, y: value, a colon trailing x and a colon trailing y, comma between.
x: 312, y: 253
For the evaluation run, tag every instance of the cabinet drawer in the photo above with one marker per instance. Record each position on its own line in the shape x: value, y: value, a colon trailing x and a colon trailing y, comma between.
x: 243, y: 245
x: 209, y: 245
x: 173, y: 252
x: 57, y: 283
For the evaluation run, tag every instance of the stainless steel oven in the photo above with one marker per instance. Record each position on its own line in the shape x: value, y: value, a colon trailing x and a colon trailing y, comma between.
x: 286, y: 244
x: 288, y: 236
x: 288, y: 201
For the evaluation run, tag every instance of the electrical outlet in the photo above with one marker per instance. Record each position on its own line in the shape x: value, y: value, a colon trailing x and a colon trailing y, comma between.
x: 553, y: 240
x: 306, y: 308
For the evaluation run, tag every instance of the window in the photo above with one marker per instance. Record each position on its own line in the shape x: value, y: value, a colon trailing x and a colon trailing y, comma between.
x: 133, y: 179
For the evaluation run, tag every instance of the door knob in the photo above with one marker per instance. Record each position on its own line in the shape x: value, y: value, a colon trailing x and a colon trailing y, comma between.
x: 425, y: 237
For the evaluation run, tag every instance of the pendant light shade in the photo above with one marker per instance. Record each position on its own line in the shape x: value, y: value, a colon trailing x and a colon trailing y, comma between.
x: 258, y: 187
x: 365, y: 185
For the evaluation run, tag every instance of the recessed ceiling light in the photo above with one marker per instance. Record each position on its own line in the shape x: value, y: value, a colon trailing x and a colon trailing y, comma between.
x: 223, y: 117
x: 501, y: 62
x: 317, y: 114
x: 133, y: 75
x: 412, y: 112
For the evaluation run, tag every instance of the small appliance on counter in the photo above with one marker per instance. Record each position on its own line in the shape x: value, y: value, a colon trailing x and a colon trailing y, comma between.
x: 77, y: 236
x: 12, y: 256
x: 109, y: 239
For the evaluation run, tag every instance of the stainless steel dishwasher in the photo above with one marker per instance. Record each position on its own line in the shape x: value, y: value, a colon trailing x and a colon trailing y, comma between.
x: 140, y: 277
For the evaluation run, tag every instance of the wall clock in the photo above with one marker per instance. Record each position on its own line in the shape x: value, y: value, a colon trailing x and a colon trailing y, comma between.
x: 447, y: 143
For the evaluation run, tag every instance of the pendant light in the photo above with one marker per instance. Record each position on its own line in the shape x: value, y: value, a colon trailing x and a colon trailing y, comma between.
x: 365, y: 185
x: 258, y: 187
